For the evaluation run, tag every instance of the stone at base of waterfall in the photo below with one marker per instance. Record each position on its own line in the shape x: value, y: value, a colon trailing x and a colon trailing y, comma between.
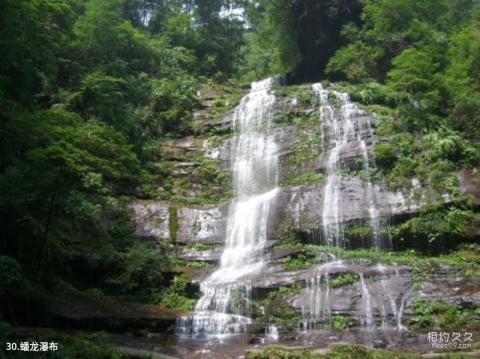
x: 208, y: 255
x: 378, y: 338
x: 205, y: 323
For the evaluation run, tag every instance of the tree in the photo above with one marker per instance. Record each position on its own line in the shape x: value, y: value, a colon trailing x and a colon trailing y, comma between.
x: 356, y: 61
x: 271, y: 43
x: 463, y: 78
x: 35, y: 35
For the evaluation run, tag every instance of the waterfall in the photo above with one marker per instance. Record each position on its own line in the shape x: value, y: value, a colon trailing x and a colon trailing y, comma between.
x: 224, y: 305
x: 366, y: 306
x: 345, y: 123
x: 344, y: 126
x: 271, y: 333
x: 339, y: 133
x: 391, y: 311
x: 318, y: 311
x: 372, y: 208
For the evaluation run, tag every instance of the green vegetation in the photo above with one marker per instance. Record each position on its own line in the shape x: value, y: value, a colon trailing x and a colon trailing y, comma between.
x: 336, y: 351
x: 437, y: 224
x: 176, y: 295
x: 306, y: 178
x: 438, y: 315
x: 342, y: 280
x: 288, y: 238
x: 281, y: 353
x: 173, y: 223
x: 90, y: 90
x: 191, y: 263
x: 421, y: 66
x: 274, y: 309
x: 306, y: 150
x: 136, y: 273
x: 300, y: 261
x: 227, y: 97
x: 271, y: 46
x: 300, y: 93
x: 214, y: 184
x: 465, y: 259
x: 418, y: 72
x: 358, y: 234
x: 202, y: 246
x: 94, y: 345
x: 340, y: 322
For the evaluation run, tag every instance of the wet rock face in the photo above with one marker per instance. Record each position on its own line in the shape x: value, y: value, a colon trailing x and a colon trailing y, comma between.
x: 470, y: 183
x: 203, y: 224
x: 301, y: 205
x: 152, y: 219
x: 371, y: 295
x: 192, y: 224
x: 385, y: 292
x: 302, y: 150
x: 207, y: 255
x: 451, y: 289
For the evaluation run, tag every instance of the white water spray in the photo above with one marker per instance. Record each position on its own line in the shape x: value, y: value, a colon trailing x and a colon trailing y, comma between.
x: 340, y: 118
x: 224, y: 305
x: 343, y: 126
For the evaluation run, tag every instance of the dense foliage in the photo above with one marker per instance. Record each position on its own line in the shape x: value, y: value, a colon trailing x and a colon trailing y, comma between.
x: 296, y: 37
x: 88, y: 91
x: 420, y: 60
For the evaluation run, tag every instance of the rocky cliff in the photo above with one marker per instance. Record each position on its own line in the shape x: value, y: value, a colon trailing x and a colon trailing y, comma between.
x: 303, y: 163
x: 365, y: 288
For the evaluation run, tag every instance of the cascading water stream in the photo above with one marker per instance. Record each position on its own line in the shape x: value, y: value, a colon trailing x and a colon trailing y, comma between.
x: 366, y: 306
x: 318, y: 312
x: 271, y: 333
x: 343, y: 127
x: 223, y: 307
x: 372, y: 208
x: 340, y: 131
x: 391, y: 311
x: 343, y: 124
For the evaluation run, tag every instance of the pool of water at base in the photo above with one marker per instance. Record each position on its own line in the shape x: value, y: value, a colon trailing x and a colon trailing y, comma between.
x: 235, y: 346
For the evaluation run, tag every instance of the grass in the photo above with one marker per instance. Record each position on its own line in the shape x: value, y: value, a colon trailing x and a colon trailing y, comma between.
x: 334, y: 351
x: 343, y: 280
x: 466, y: 259
x: 306, y: 178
